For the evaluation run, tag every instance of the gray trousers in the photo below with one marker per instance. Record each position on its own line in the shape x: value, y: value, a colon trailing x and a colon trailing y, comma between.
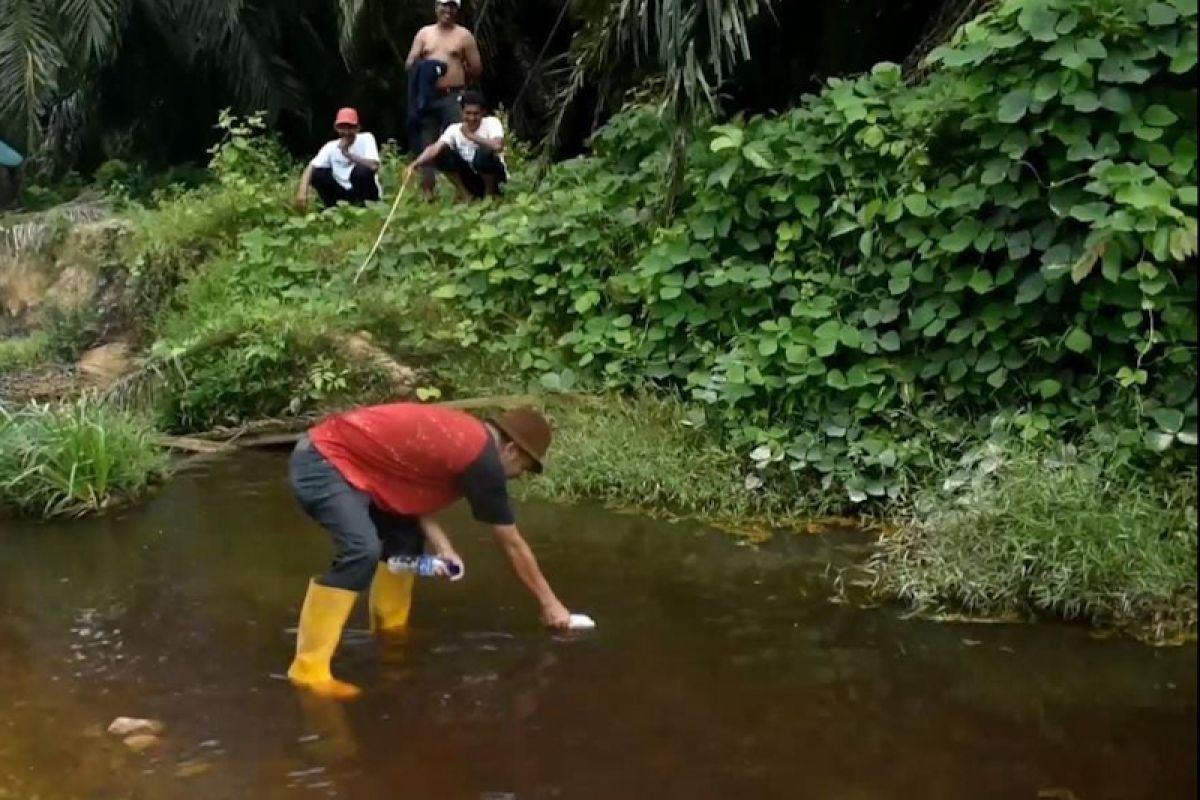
x: 363, y: 534
x: 442, y: 113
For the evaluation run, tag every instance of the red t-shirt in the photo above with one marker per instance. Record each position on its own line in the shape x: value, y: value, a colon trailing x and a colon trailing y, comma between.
x: 406, y: 457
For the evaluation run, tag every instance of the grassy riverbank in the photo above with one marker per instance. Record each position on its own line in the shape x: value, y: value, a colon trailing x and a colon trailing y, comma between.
x: 901, y: 301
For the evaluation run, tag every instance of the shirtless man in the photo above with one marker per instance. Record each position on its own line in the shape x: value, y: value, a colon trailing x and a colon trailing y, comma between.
x: 451, y: 43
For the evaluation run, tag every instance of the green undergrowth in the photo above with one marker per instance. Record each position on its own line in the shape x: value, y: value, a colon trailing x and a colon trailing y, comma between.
x: 847, y: 297
x: 1067, y: 535
x: 71, y: 459
x: 643, y: 453
x: 22, y: 352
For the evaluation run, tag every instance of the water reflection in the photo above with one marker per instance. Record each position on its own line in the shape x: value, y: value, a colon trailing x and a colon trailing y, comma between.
x: 716, y: 671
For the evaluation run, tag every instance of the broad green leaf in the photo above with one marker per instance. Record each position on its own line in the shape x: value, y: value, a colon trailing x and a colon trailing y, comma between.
x: 917, y: 205
x: 704, y: 226
x: 1092, y: 49
x: 1078, y: 340
x: 923, y: 314
x: 1159, y: 116
x: 755, y: 153
x: 1159, y: 155
x: 1030, y: 289
x: 587, y: 301
x: 1084, y: 266
x: 1116, y: 100
x: 1120, y: 68
x: 981, y: 282
x: 873, y: 136
x: 1160, y: 14
x: 1169, y: 419
x: 807, y: 204
x: 1159, y: 441
x: 890, y: 342
x: 1039, y: 22
x: 1084, y: 100
x: 1185, y: 60
x: 1014, y: 105
x: 1047, y: 87
x: 1048, y: 388
x: 960, y: 237
x: 828, y: 330
x: 1090, y: 212
x: 988, y: 361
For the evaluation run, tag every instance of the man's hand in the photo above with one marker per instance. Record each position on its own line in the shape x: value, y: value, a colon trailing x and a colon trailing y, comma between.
x: 456, y: 560
x: 556, y: 616
x: 345, y: 143
x: 302, y: 200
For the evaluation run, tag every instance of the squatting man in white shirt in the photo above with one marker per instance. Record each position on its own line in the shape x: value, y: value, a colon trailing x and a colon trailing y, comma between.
x: 345, y: 169
x: 471, y: 152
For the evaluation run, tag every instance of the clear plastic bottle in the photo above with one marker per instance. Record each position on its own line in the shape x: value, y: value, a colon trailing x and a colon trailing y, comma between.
x: 425, y: 565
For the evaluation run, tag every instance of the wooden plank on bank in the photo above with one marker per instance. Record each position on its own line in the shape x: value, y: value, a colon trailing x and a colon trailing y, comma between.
x: 189, y: 444
x: 279, y: 432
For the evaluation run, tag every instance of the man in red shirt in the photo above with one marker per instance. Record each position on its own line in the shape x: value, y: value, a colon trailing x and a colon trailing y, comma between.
x: 372, y: 478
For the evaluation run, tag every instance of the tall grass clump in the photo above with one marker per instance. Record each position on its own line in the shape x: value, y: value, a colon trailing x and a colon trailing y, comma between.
x: 22, y: 352
x: 66, y: 460
x: 1069, y: 536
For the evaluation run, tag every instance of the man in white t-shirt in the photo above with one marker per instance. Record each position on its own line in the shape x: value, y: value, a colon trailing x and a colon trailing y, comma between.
x: 345, y: 169
x: 471, y: 152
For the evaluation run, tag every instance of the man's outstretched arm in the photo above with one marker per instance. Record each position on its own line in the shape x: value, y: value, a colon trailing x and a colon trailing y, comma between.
x: 525, y: 564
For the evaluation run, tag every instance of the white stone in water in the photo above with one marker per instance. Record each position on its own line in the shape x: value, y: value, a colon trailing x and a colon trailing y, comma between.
x: 127, y: 726
x: 581, y: 622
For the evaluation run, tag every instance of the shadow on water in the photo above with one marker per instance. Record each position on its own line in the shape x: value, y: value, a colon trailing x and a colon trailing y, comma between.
x: 717, y: 671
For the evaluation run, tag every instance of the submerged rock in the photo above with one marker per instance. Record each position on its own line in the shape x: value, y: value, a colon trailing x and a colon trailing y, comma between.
x: 127, y: 726
x: 141, y: 741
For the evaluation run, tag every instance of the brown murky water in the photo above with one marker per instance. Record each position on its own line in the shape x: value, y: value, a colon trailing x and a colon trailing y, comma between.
x: 717, y: 671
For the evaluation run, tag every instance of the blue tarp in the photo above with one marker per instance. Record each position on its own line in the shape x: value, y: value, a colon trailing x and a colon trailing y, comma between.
x: 8, y: 156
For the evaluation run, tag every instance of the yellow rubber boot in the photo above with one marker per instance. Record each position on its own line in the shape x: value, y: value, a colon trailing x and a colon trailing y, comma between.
x: 391, y: 601
x: 322, y: 618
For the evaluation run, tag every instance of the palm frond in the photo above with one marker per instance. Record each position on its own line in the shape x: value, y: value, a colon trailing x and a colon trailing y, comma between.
x: 350, y: 14
x: 30, y: 60
x: 92, y: 26
x: 693, y: 45
x: 221, y: 34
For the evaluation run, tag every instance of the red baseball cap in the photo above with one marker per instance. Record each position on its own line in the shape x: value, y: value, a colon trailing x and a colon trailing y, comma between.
x: 346, y: 116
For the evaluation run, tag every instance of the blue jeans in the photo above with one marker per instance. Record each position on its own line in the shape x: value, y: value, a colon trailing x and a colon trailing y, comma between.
x: 363, y: 534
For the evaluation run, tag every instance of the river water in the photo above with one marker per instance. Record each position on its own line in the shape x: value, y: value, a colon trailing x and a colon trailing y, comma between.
x: 717, y: 671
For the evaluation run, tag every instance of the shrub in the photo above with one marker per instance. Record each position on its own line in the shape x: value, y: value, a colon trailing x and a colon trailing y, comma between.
x: 71, y: 459
x: 1068, y: 535
x: 1013, y: 236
